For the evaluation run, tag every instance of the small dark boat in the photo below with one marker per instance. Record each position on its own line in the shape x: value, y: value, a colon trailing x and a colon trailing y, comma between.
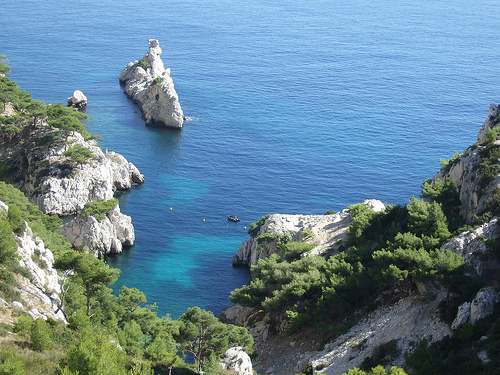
x: 233, y: 218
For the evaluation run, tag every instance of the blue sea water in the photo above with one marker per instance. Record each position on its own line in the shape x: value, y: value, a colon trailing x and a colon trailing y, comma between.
x: 297, y: 107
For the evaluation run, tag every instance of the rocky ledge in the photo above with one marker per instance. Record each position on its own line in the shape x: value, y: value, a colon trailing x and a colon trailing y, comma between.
x: 149, y: 84
x: 328, y: 232
x: 106, y: 236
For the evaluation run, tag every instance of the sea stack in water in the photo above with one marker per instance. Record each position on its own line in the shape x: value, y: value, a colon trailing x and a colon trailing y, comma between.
x: 78, y: 100
x: 149, y: 85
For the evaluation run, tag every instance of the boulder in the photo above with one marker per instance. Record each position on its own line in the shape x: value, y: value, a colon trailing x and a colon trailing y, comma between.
x: 472, y: 246
x: 149, y: 85
x: 481, y: 306
x: 238, y: 360
x: 78, y: 100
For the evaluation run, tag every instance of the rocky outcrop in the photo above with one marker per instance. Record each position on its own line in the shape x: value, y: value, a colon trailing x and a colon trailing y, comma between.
x: 466, y: 176
x: 107, y: 236
x: 328, y: 232
x: 78, y: 100
x: 149, y: 84
x: 39, y: 293
x: 55, y: 182
x: 481, y: 306
x: 473, y: 246
x: 237, y: 360
x: 407, y: 322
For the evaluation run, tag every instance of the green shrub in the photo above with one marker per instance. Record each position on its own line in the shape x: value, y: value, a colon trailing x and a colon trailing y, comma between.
x: 156, y: 81
x: 98, y: 209
x: 143, y: 64
x: 79, y: 154
x: 255, y: 226
x: 40, y: 336
x: 447, y: 164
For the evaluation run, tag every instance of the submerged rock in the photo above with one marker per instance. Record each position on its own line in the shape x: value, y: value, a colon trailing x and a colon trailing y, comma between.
x: 149, y: 84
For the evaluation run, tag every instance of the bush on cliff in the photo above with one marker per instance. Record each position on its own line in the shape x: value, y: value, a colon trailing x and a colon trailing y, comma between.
x: 78, y: 154
x: 98, y: 209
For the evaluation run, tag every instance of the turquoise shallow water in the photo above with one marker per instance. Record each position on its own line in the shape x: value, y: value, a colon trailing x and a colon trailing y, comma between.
x: 296, y: 107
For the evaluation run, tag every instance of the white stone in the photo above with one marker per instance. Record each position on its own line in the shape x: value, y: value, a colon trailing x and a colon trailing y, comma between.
x: 97, y: 179
x: 158, y: 103
x: 107, y: 236
x: 463, y: 315
x: 483, y: 304
x: 238, y: 360
x: 328, y: 232
x: 78, y: 100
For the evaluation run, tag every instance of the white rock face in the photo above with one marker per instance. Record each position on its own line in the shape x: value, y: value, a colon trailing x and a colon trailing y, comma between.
x: 327, y: 231
x: 478, y: 255
x: 41, y: 294
x: 78, y: 100
x: 465, y: 174
x: 481, y: 306
x: 157, y: 99
x: 97, y: 179
x: 238, y: 360
x: 107, y: 236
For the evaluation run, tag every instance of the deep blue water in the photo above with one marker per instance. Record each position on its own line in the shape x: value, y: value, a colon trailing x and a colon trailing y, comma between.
x: 297, y: 107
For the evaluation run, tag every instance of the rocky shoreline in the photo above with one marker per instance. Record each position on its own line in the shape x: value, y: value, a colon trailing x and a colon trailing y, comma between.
x: 404, y: 322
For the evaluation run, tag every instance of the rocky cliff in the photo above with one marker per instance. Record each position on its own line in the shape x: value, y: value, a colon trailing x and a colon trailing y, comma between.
x: 106, y: 236
x: 149, y: 84
x: 465, y: 171
x: 39, y: 291
x: 327, y: 232
x: 57, y: 183
x: 398, y: 322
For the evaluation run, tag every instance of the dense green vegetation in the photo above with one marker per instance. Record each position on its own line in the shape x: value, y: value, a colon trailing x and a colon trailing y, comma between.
x: 400, y: 245
x: 143, y: 64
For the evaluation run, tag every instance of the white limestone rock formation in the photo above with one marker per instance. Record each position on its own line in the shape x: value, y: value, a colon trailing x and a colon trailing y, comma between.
x: 40, y: 295
x: 107, y: 236
x: 466, y: 176
x: 472, y: 246
x: 149, y: 84
x: 328, y: 232
x: 236, y: 359
x: 66, y: 192
x: 78, y: 100
x: 481, y: 306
